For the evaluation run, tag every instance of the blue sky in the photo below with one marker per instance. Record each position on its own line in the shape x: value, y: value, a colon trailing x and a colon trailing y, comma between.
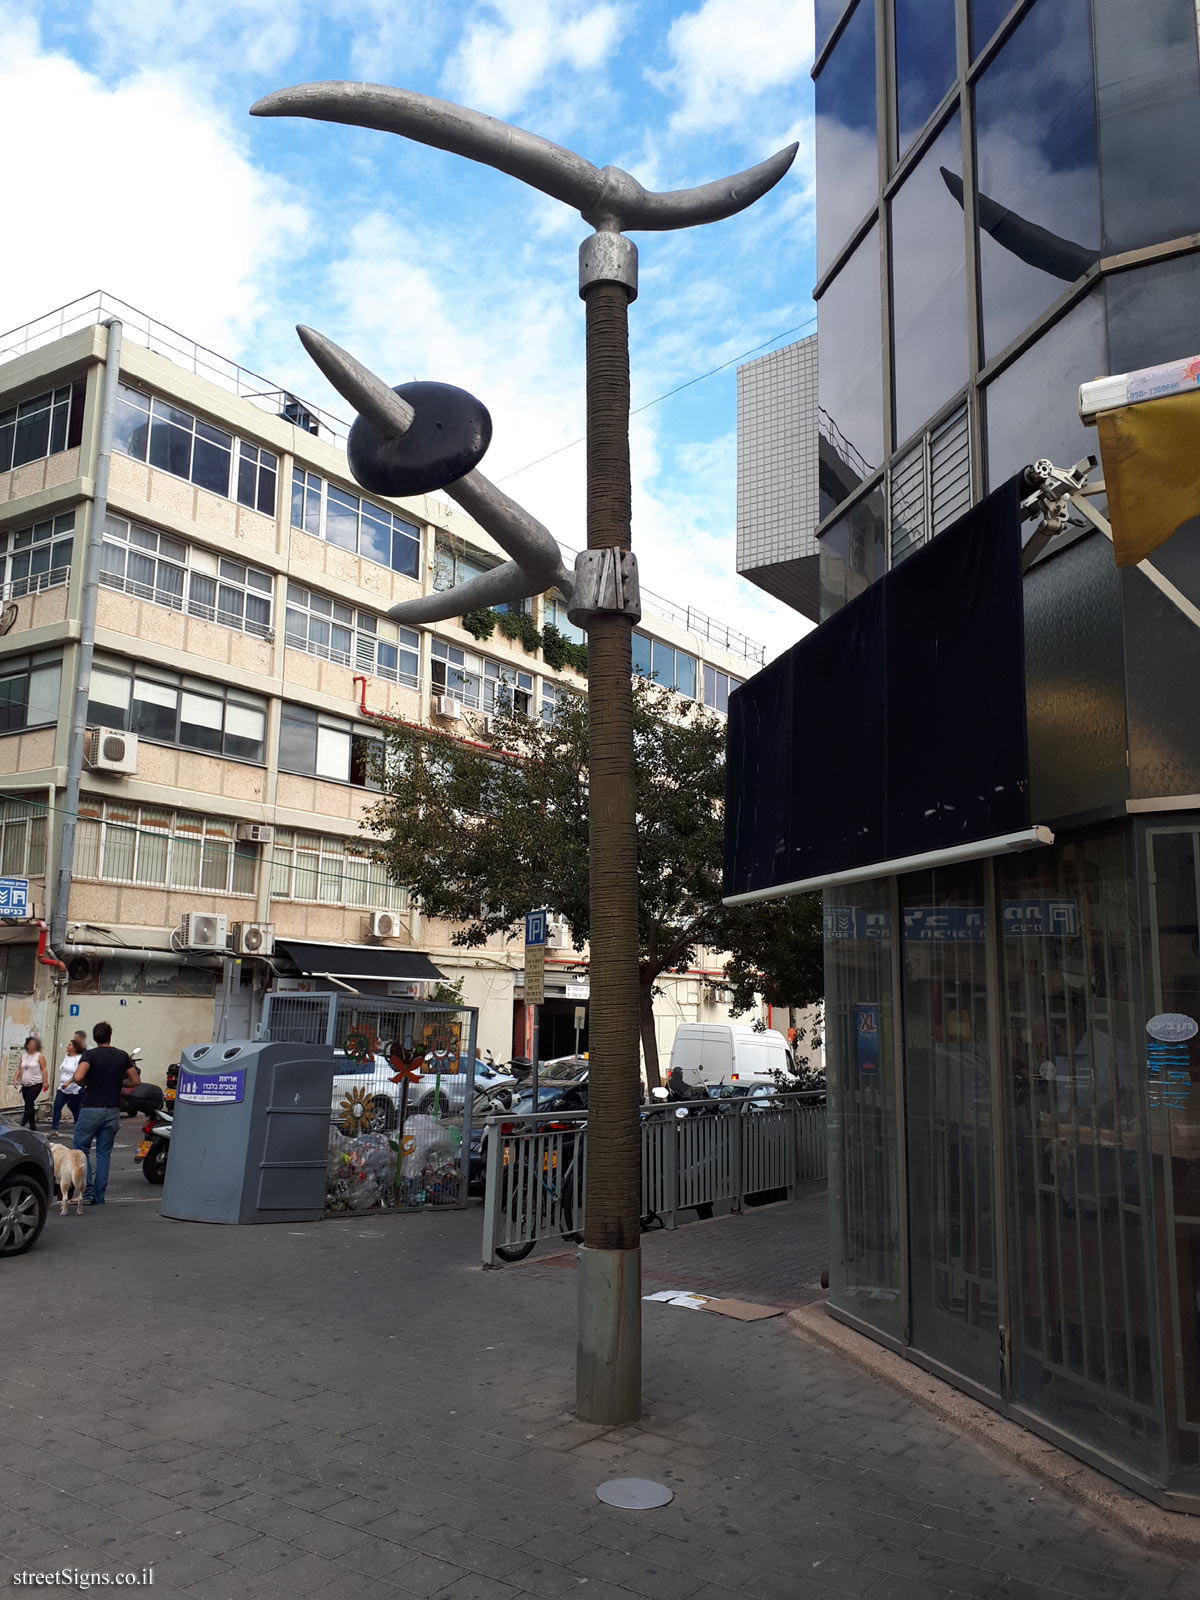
x: 140, y: 172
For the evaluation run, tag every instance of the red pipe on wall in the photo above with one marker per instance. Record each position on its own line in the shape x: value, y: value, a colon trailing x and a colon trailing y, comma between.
x: 44, y: 953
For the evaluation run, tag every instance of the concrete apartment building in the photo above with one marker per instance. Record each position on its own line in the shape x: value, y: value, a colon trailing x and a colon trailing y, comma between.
x: 242, y: 658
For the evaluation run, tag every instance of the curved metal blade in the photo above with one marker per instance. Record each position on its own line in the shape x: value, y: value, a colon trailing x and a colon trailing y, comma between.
x: 369, y: 395
x: 608, y: 198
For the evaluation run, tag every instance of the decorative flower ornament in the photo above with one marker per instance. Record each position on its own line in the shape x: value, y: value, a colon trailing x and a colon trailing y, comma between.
x: 357, y: 1109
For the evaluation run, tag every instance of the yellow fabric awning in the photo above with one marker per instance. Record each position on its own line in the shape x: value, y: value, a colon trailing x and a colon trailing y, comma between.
x: 1151, y: 456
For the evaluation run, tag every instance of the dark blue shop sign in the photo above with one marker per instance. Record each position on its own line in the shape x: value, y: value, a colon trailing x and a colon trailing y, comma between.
x: 1020, y: 919
x: 212, y: 1088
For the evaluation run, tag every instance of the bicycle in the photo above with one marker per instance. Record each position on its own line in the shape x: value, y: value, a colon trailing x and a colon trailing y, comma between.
x: 524, y: 1198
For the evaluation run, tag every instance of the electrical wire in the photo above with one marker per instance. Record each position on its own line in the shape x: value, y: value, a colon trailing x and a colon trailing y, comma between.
x: 666, y: 395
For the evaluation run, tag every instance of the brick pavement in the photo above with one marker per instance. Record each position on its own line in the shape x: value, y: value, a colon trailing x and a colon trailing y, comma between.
x: 355, y: 1408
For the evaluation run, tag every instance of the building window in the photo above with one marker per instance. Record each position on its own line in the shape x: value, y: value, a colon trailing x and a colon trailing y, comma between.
x: 452, y: 566
x: 166, y: 571
x: 458, y: 673
x: 717, y: 686
x: 29, y: 692
x: 164, y: 708
x: 554, y: 615
x: 554, y: 696
x: 37, y: 558
x: 331, y: 871
x: 506, y: 689
x: 154, y: 847
x: 152, y: 430
x: 341, y: 518
x: 315, y: 745
x: 41, y: 426
x: 335, y: 631
x: 125, y: 975
x: 22, y: 839
x: 672, y: 668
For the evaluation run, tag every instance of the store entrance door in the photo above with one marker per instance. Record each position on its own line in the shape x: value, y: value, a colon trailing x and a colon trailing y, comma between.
x: 953, y: 1265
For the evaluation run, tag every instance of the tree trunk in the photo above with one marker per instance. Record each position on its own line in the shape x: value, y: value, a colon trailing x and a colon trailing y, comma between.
x: 613, y: 1210
x: 649, y: 1036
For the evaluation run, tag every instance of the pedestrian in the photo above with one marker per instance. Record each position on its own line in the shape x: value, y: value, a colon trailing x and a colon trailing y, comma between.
x: 68, y: 1090
x: 103, y: 1071
x: 31, y: 1078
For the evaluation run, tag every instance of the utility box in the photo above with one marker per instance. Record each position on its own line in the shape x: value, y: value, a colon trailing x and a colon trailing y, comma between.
x: 250, y: 1137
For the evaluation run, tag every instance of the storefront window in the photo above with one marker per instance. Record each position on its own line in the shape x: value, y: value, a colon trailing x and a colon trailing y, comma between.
x: 860, y: 1067
x: 948, y: 1109
x: 1080, y: 1226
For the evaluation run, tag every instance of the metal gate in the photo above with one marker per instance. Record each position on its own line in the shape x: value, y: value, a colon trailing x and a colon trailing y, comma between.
x: 400, y: 1116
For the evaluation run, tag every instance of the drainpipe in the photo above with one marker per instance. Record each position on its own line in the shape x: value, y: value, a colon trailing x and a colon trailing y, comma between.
x: 87, y: 634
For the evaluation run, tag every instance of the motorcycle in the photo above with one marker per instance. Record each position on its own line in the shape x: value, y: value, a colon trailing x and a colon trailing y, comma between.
x: 152, y: 1152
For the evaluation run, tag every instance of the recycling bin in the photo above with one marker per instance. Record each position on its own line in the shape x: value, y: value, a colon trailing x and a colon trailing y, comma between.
x: 251, y: 1132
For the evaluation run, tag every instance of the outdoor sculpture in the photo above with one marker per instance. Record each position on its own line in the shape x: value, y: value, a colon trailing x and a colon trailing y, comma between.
x: 603, y: 598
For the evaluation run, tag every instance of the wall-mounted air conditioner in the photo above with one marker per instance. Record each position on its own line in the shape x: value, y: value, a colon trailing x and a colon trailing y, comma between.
x: 202, y: 930
x: 445, y: 705
x: 110, y: 750
x: 385, y: 925
x: 558, y: 936
x: 253, y: 938
x: 255, y: 833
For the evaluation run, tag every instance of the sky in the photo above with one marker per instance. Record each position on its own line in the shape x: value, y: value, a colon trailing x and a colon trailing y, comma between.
x: 142, y: 174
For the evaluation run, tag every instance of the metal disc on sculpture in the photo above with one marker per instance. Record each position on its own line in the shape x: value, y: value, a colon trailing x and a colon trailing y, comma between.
x: 448, y: 438
x: 635, y: 1494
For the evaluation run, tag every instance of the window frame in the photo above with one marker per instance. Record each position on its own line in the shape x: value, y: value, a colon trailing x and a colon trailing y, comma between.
x: 361, y: 746
x: 310, y: 500
x: 63, y: 406
x: 25, y: 667
x: 378, y: 892
x: 189, y: 846
x: 56, y: 534
x: 197, y: 567
x: 160, y: 412
x: 184, y: 687
x: 366, y: 644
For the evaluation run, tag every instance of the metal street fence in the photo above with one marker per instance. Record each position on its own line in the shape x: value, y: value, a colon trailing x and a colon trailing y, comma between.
x: 400, y: 1117
x: 533, y: 1168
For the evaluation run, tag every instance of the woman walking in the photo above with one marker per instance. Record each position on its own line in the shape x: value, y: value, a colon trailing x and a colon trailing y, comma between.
x: 68, y: 1090
x: 31, y: 1079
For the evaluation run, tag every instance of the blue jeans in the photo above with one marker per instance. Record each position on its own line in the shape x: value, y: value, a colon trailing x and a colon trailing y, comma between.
x: 61, y: 1102
x: 99, y: 1123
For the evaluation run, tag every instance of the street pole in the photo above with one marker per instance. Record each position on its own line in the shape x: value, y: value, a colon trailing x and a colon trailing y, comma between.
x: 608, y: 1358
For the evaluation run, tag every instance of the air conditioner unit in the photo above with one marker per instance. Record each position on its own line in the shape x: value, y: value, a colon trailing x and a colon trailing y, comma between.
x: 253, y: 938
x: 385, y: 925
x: 445, y: 705
x: 202, y: 930
x: 557, y: 935
x: 255, y: 833
x: 110, y: 750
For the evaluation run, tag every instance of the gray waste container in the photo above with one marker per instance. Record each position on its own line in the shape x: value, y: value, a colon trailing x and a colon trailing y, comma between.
x: 251, y: 1133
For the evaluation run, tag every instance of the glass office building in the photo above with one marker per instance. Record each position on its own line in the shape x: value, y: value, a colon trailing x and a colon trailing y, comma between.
x: 1007, y: 206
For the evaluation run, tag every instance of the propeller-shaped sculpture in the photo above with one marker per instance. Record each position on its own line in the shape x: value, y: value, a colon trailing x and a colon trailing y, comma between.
x: 425, y: 436
x: 394, y: 446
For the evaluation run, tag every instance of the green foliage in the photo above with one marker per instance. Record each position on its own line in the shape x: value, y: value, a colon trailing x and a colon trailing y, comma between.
x: 480, y: 836
x: 480, y: 624
x: 558, y: 651
x: 447, y: 994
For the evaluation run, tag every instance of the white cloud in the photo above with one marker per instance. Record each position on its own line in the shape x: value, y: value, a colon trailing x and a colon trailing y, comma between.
x: 727, y: 54
x: 244, y: 36
x: 169, y: 213
x: 513, y: 47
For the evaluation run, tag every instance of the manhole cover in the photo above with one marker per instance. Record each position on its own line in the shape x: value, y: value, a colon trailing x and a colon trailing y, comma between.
x: 634, y: 1494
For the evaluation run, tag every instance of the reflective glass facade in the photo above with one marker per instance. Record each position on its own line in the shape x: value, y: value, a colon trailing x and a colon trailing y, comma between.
x: 1013, y: 1044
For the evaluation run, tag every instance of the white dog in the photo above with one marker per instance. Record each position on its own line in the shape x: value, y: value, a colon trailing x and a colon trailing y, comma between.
x: 70, y: 1173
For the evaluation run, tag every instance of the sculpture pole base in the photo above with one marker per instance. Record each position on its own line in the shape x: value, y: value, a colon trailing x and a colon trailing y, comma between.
x: 608, y: 1365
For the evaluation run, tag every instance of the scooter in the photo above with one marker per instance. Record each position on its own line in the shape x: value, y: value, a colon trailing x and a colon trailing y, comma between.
x: 155, y: 1146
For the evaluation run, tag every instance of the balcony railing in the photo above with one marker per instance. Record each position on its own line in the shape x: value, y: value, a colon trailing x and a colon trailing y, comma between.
x: 34, y: 583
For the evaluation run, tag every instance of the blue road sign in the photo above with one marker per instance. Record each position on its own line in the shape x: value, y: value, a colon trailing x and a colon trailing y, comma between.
x: 14, y: 897
x: 535, y: 928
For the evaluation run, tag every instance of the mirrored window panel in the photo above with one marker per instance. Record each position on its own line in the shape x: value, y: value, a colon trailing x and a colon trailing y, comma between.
x: 847, y: 147
x: 850, y: 444
x: 1148, y: 85
x: 929, y: 287
x: 1039, y: 185
x: 986, y: 17
x: 853, y: 553
x: 1033, y: 406
x: 926, y: 63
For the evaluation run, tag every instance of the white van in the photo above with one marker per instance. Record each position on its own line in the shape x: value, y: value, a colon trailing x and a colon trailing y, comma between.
x: 710, y: 1053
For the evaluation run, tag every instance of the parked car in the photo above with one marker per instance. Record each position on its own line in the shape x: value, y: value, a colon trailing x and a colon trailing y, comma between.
x: 449, y: 1091
x: 26, y: 1184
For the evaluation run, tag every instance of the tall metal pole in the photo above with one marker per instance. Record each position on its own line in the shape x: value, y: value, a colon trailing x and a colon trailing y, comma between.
x: 608, y: 1369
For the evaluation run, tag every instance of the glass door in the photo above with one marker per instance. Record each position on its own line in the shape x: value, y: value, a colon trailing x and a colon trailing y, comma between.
x: 955, y: 1296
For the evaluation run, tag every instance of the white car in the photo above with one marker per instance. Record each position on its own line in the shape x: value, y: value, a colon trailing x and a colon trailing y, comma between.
x: 448, y: 1091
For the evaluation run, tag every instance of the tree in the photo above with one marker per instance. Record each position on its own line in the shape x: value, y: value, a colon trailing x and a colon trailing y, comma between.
x: 483, y: 831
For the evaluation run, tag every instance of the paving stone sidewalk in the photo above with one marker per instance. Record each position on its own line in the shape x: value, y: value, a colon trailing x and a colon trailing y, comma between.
x: 355, y: 1408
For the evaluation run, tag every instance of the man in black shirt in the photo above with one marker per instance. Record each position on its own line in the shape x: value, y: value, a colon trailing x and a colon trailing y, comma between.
x: 103, y: 1072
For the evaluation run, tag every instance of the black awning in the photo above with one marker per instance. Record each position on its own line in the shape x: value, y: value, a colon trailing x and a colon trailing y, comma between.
x: 366, y: 961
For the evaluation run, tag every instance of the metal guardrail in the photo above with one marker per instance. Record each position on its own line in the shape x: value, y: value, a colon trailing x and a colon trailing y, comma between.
x: 720, y: 1152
